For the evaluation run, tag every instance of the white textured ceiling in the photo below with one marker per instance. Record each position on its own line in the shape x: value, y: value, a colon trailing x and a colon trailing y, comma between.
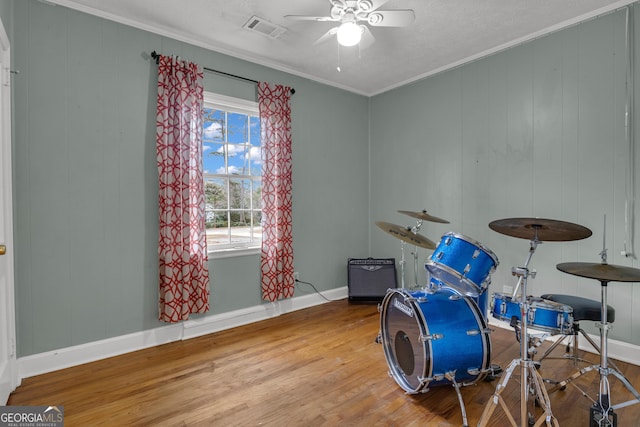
x: 445, y: 33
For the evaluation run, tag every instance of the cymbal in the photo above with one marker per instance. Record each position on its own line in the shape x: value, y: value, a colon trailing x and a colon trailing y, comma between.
x: 600, y: 271
x: 425, y: 216
x: 548, y: 230
x: 405, y: 234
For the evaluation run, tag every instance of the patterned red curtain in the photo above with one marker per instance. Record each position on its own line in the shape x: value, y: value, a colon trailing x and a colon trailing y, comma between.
x: 182, y: 249
x: 277, y: 242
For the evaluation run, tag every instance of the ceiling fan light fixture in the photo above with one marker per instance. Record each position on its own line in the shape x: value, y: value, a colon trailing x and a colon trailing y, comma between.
x: 349, y: 34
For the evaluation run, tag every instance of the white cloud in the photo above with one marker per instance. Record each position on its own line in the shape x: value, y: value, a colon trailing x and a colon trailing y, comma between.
x: 213, y: 131
x: 255, y: 155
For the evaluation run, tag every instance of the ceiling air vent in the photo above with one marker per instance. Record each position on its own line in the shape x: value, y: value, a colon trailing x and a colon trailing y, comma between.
x: 265, y: 27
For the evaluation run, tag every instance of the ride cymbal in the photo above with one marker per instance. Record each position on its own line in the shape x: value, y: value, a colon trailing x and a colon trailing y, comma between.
x: 424, y: 216
x: 405, y: 234
x: 546, y: 230
x: 600, y: 271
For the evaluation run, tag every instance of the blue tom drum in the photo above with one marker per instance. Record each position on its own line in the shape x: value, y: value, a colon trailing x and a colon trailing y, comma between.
x: 463, y: 263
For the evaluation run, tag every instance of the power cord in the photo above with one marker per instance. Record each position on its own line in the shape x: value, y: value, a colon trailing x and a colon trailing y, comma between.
x: 317, y: 291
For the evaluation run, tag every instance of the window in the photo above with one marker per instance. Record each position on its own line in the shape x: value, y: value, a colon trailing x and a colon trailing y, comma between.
x: 232, y: 173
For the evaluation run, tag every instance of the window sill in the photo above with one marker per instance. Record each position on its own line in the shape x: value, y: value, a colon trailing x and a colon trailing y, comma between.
x: 233, y: 252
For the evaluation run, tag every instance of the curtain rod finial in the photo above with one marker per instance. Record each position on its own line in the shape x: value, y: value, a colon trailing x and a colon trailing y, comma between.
x: 155, y: 56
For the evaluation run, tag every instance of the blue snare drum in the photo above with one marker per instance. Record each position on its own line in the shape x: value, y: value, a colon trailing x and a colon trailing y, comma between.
x: 463, y: 263
x: 433, y: 337
x: 543, y: 314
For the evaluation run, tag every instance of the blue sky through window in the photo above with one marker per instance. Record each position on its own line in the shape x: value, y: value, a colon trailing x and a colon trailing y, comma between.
x: 231, y: 134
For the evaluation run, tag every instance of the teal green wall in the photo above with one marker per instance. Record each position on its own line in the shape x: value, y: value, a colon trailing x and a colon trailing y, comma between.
x: 537, y: 130
x: 85, y: 178
x: 534, y: 131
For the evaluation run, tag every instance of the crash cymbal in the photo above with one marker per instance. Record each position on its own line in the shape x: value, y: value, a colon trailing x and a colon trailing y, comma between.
x: 425, y: 216
x: 546, y: 230
x: 405, y: 234
x: 600, y: 271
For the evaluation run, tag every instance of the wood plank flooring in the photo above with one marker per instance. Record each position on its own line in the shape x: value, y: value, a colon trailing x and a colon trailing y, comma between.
x: 315, y: 367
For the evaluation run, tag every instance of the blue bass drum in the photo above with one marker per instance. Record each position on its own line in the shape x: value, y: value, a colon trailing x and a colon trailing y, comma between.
x: 463, y: 263
x: 482, y: 300
x: 432, y: 338
x: 543, y: 314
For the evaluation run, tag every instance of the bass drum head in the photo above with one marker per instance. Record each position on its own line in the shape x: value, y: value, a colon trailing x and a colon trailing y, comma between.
x: 407, y: 357
x: 428, y: 336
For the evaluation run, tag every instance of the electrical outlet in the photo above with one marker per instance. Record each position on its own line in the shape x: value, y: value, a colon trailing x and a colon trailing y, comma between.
x: 296, y: 275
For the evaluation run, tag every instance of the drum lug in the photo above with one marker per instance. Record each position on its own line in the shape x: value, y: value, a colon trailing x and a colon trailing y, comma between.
x: 503, y: 308
x: 466, y: 270
x: 472, y: 332
x: 435, y: 377
x: 531, y: 315
x: 473, y: 371
x: 433, y: 337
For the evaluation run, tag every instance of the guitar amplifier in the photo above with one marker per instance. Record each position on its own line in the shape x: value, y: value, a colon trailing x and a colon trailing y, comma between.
x: 370, y: 278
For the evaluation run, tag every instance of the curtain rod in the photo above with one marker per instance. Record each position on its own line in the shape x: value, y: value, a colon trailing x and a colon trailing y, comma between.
x: 156, y: 56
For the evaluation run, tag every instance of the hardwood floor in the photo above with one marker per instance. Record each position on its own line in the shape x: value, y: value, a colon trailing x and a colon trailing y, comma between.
x: 315, y: 367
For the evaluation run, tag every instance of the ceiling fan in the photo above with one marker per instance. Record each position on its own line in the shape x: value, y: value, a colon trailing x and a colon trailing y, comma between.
x: 351, y: 14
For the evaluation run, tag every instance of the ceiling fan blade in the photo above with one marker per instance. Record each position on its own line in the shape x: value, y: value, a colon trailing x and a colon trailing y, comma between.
x: 367, y: 38
x: 326, y: 36
x: 374, y: 4
x: 310, y: 18
x: 391, y: 18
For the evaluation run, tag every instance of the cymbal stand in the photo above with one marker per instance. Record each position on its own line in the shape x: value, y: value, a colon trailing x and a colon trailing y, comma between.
x: 530, y: 382
x: 533, y: 245
x: 402, y: 263
x: 415, y: 230
x: 601, y: 413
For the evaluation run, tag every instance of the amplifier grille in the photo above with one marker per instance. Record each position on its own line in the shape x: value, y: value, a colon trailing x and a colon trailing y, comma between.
x: 370, y: 278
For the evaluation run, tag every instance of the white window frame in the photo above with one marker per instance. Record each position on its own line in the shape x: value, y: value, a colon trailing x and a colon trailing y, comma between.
x: 250, y: 108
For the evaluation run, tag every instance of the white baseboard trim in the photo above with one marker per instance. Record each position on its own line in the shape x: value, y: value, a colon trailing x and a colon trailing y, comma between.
x: 42, y: 363
x: 221, y: 322
x: 50, y: 361
x: 618, y: 350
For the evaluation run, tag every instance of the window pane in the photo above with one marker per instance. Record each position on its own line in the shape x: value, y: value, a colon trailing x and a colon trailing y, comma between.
x: 238, y: 132
x: 239, y: 159
x: 255, y: 151
x: 213, y: 125
x: 257, y: 226
x: 215, y: 193
x: 213, y: 158
x: 257, y: 195
x: 239, y: 194
x: 219, y: 235
x: 240, y: 226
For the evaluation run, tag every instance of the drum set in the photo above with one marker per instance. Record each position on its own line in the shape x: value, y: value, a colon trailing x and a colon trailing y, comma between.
x: 437, y: 334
